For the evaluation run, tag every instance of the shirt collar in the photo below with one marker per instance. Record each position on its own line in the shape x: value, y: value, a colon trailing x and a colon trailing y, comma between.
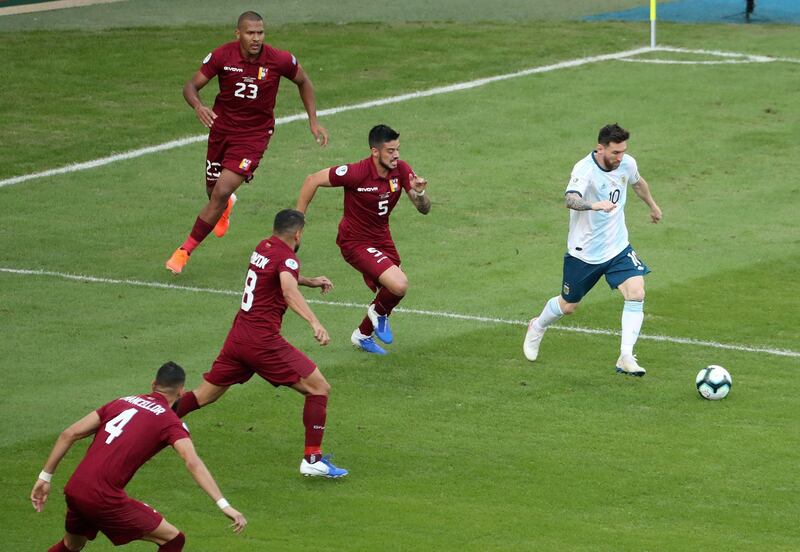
x: 598, y: 164
x: 373, y: 171
x: 277, y: 242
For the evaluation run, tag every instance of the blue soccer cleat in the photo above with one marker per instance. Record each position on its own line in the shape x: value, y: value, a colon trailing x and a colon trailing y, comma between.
x: 322, y: 468
x: 366, y: 344
x: 381, y: 324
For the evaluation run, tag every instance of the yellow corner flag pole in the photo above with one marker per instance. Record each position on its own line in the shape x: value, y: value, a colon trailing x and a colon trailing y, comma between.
x: 652, y: 23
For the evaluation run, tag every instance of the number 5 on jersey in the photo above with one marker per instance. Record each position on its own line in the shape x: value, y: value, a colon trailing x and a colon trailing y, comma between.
x: 383, y: 207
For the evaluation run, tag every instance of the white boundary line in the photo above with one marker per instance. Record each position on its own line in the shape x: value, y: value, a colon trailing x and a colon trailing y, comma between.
x: 621, y: 56
x: 732, y: 58
x: 437, y: 314
x: 325, y: 112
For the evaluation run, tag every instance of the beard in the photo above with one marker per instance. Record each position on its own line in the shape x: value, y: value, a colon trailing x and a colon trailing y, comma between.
x: 385, y: 166
x: 296, y: 247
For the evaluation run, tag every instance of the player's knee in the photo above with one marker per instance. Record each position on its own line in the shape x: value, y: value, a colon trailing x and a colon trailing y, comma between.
x: 399, y: 287
x: 321, y: 388
x: 635, y: 294
x: 74, y: 543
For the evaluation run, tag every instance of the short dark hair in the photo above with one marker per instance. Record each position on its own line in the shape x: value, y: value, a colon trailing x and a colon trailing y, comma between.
x: 612, y: 133
x: 380, y: 134
x: 248, y: 16
x: 170, y: 376
x: 288, y: 221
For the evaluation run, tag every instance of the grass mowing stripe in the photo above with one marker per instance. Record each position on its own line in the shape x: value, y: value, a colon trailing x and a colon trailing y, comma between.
x: 331, y: 111
x: 438, y: 314
x: 622, y: 56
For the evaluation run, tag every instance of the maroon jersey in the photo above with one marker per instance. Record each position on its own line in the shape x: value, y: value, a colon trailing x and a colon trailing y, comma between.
x: 132, y: 430
x: 263, y: 304
x: 368, y: 199
x: 247, y: 87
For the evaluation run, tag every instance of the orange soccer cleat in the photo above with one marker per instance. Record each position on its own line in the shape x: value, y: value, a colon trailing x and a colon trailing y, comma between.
x: 224, y: 221
x: 178, y: 261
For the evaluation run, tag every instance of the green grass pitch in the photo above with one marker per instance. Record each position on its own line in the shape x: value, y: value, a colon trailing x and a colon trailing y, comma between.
x: 454, y: 441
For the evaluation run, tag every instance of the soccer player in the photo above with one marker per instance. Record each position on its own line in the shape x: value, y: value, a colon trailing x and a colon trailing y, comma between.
x: 598, y: 243
x: 255, y: 346
x: 241, y: 122
x: 372, y: 188
x: 127, y: 433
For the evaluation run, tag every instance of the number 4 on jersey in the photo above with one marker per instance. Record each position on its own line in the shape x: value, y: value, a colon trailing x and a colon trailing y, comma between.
x: 114, y: 426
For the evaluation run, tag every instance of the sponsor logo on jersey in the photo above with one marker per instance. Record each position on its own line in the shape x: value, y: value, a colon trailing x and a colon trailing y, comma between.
x: 371, y: 189
x: 341, y: 170
x: 393, y: 184
x: 385, y: 195
x: 262, y: 73
x: 291, y: 263
x: 234, y: 69
x: 245, y: 164
x: 207, y: 58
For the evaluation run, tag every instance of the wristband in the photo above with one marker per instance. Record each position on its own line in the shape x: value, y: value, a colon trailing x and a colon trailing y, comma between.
x: 420, y: 194
x: 222, y: 503
x: 44, y: 476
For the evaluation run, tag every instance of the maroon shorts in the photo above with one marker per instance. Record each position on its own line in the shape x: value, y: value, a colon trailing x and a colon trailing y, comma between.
x: 121, y: 519
x: 275, y: 360
x: 240, y: 153
x: 371, y: 260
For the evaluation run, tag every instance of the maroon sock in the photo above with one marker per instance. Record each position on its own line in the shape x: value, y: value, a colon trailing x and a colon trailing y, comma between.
x: 187, y: 403
x: 314, y: 414
x: 175, y: 545
x: 200, y: 230
x: 385, y: 301
x: 366, y: 326
x: 59, y: 547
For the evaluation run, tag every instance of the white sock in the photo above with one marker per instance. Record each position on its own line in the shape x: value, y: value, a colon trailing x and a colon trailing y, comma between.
x: 632, y: 317
x: 550, y: 313
x: 358, y: 335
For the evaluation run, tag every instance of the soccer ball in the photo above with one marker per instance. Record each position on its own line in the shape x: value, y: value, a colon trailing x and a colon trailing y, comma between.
x: 713, y: 382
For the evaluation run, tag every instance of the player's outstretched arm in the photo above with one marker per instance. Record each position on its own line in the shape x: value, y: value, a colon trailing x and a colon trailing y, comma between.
x: 574, y: 201
x: 309, y: 188
x: 418, y: 193
x: 642, y: 190
x: 316, y: 282
x: 306, y: 89
x: 191, y: 93
x: 185, y: 449
x: 296, y: 302
x: 82, y: 428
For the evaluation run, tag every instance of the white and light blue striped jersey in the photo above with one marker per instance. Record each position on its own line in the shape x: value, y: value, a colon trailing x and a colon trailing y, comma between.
x: 594, y: 236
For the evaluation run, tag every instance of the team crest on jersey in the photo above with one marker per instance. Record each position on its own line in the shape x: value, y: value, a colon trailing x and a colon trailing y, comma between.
x: 624, y: 179
x: 393, y: 184
x: 262, y: 73
x: 245, y: 164
x: 565, y: 289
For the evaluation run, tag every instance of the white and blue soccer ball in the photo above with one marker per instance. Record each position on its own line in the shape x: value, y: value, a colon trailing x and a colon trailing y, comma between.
x: 713, y: 382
